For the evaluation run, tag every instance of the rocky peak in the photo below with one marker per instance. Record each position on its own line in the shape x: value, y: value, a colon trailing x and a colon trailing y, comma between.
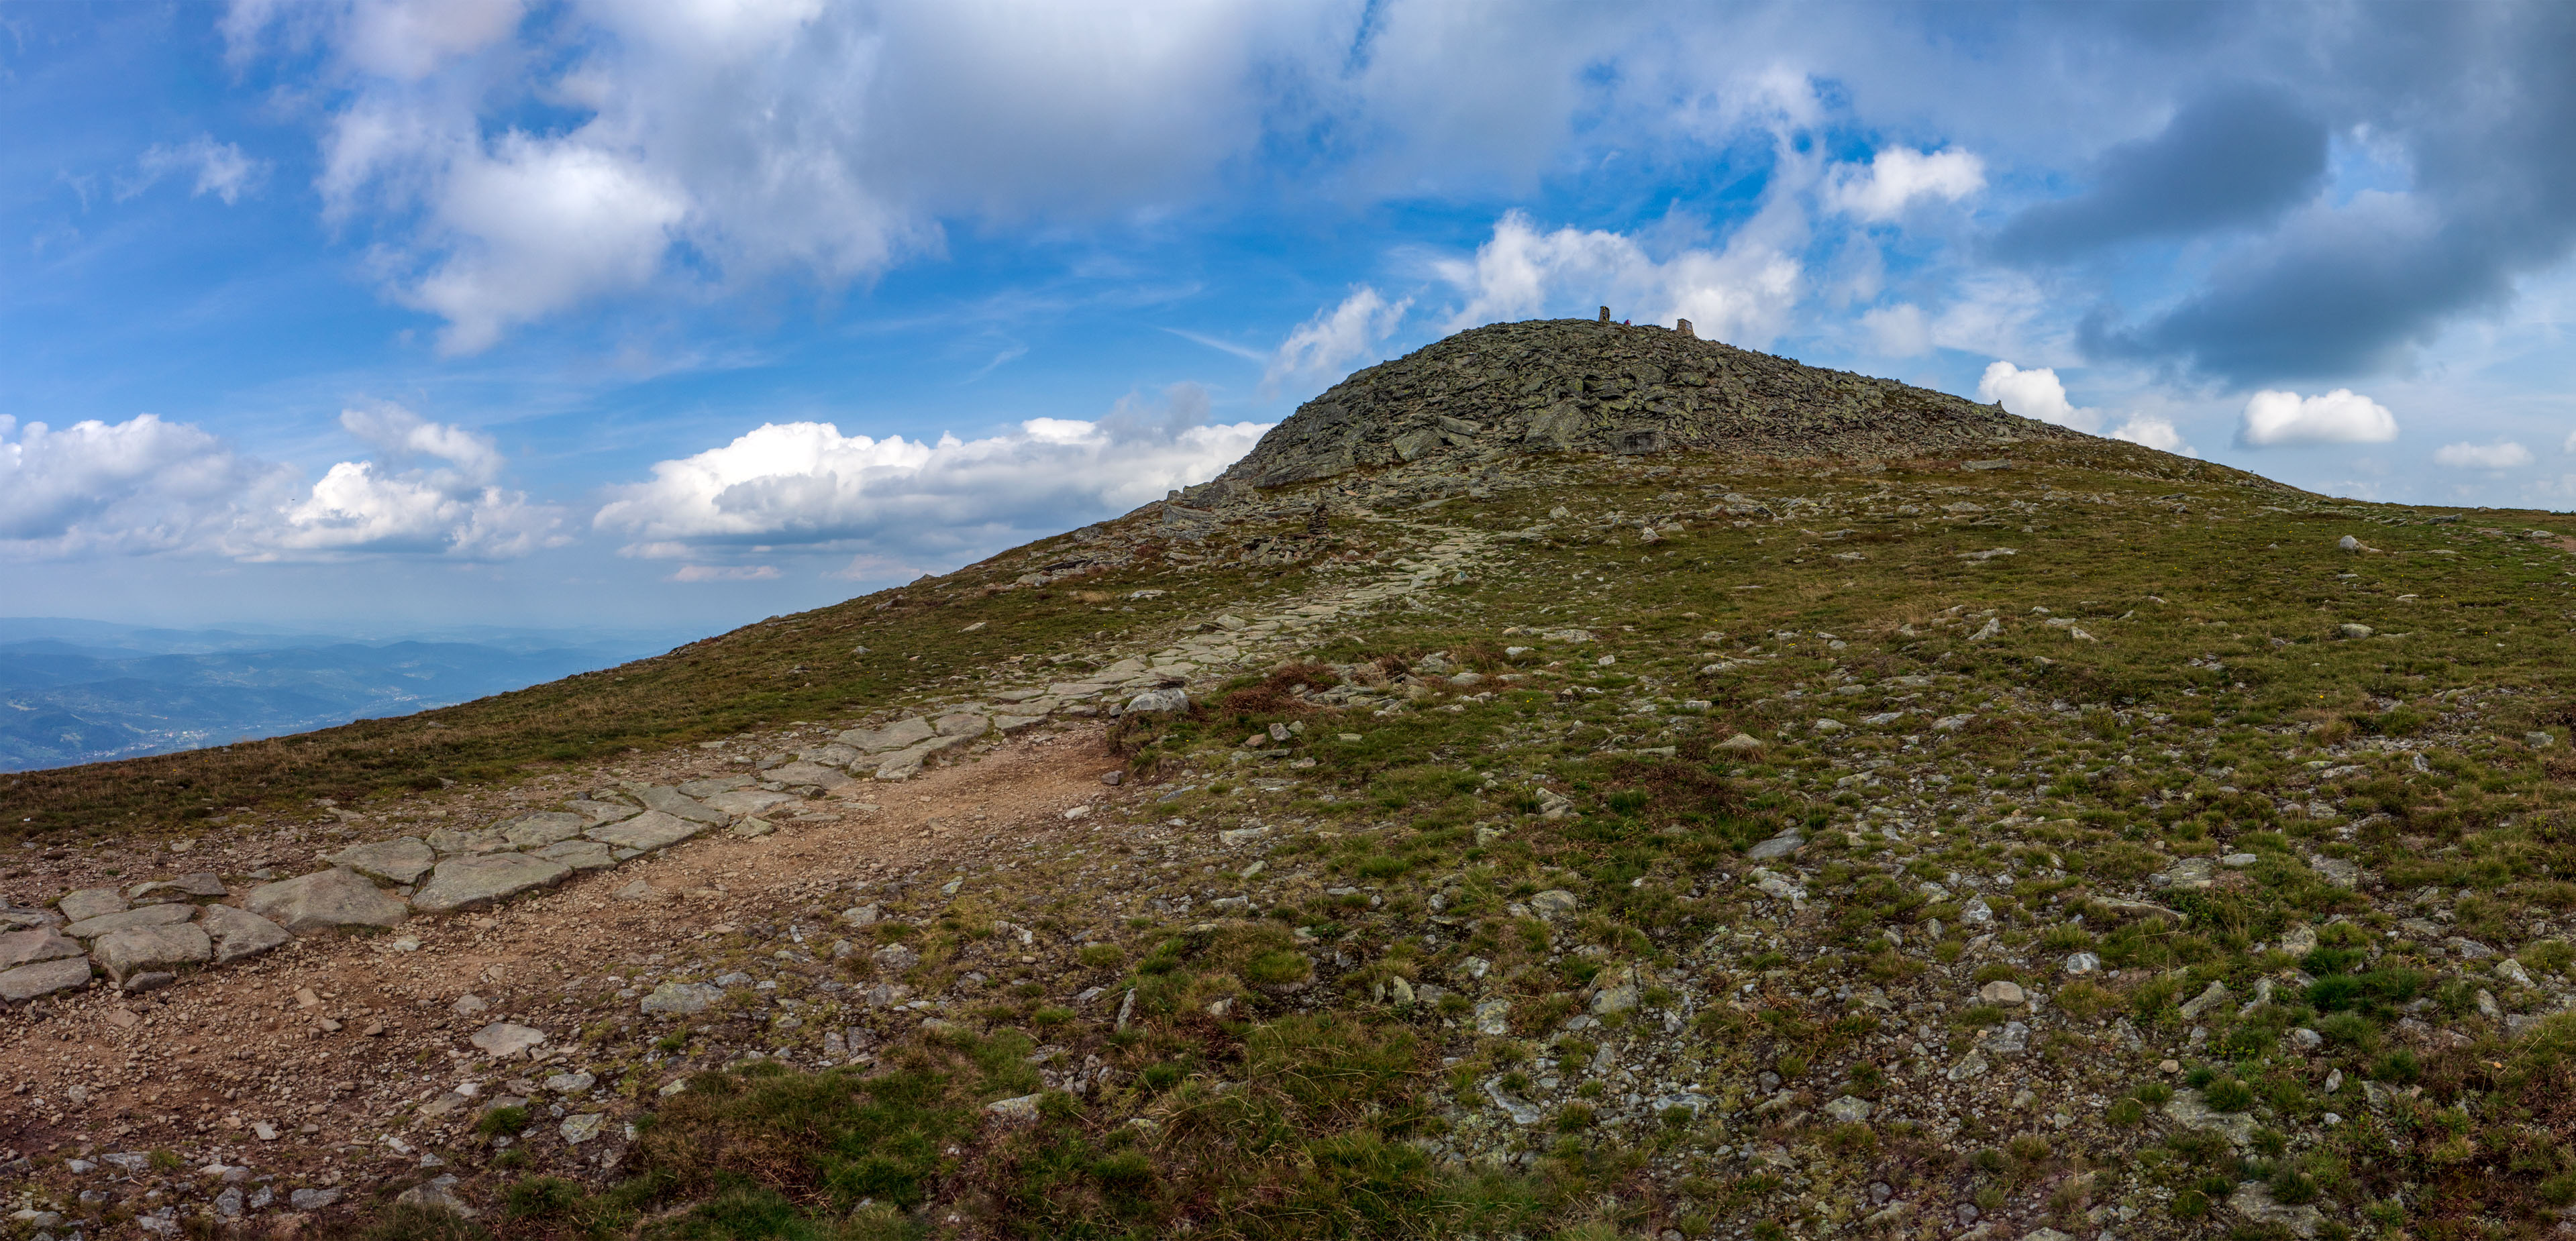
x: 1505, y: 390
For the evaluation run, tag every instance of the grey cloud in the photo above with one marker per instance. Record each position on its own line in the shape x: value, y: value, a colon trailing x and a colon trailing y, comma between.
x: 2479, y: 100
x: 2239, y: 155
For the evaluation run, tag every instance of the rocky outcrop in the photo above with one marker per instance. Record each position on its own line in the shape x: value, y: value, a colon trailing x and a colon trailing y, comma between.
x: 1560, y: 385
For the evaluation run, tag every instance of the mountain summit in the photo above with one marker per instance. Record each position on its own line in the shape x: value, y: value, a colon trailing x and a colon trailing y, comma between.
x: 1574, y: 781
x: 1557, y: 385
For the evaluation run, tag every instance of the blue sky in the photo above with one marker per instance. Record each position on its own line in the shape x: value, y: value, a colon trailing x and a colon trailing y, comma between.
x: 383, y: 312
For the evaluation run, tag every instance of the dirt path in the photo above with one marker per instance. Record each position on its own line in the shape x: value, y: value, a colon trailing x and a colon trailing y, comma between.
x: 341, y: 1064
x: 325, y: 1042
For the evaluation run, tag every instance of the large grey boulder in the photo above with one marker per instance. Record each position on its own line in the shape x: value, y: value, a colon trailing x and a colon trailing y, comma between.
x: 149, y: 915
x: 894, y: 736
x: 323, y: 900
x: 1159, y: 702
x: 28, y: 982
x: 404, y: 859
x: 136, y: 949
x: 536, y: 831
x: 467, y: 882
x: 41, y: 944
x: 680, y: 805
x: 647, y: 831
x: 88, y: 903
x: 239, y: 933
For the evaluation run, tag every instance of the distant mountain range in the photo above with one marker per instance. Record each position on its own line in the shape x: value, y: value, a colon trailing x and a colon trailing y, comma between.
x: 80, y: 691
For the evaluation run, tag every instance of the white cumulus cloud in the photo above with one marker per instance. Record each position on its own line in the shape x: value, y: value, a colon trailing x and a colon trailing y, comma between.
x: 917, y: 503
x: 1335, y: 341
x: 2034, y: 393
x: 142, y: 485
x: 145, y: 486
x: 732, y: 140
x: 2338, y: 417
x: 405, y: 436
x: 2037, y: 393
x: 1897, y: 176
x: 1898, y: 331
x: 447, y: 502
x: 1741, y: 294
x: 2501, y: 455
x: 2154, y: 432
x: 530, y: 226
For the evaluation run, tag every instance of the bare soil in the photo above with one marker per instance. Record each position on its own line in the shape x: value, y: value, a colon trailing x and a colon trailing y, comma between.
x: 328, y: 1039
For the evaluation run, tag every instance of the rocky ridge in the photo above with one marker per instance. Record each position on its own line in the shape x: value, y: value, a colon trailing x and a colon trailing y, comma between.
x: 1508, y: 390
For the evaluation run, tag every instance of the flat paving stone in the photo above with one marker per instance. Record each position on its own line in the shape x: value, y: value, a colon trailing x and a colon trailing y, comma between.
x: 748, y: 801
x: 599, y: 812
x: 201, y: 885
x: 403, y: 859
x: 89, y: 903
x: 647, y: 831
x: 679, y: 805
x: 239, y: 933
x: 41, y: 944
x: 325, y: 899
x: 138, y: 949
x: 149, y: 915
x: 902, y: 734
x: 579, y: 854
x: 545, y: 827
x: 801, y: 772
x: 45, y: 978
x: 469, y: 882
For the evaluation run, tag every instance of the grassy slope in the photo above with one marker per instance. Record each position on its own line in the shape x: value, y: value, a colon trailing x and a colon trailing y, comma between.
x: 1311, y: 1104
x: 781, y: 669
